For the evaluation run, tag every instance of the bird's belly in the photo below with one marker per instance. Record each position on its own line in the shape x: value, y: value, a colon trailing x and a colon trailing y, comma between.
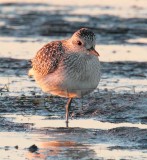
x: 70, y: 88
x: 81, y: 87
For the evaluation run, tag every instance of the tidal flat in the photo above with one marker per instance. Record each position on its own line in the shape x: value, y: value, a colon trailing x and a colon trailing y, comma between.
x: 111, y: 122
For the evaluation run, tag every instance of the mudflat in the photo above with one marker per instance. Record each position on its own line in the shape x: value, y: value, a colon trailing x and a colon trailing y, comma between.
x: 111, y: 122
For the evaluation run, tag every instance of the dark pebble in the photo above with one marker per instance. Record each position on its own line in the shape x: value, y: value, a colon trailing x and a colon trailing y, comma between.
x: 33, y: 148
x: 16, y: 147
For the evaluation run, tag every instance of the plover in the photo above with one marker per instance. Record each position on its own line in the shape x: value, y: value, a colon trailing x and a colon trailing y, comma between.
x: 68, y: 68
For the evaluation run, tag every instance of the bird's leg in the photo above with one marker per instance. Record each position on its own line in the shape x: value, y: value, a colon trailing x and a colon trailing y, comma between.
x: 67, y: 107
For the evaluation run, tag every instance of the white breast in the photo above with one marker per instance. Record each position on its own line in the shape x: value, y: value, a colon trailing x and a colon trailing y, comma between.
x: 85, y: 78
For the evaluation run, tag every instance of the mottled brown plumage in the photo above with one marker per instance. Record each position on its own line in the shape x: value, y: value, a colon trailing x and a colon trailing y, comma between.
x: 47, y: 58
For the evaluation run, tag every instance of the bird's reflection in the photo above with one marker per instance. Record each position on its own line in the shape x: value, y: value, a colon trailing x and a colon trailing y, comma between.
x: 52, y: 148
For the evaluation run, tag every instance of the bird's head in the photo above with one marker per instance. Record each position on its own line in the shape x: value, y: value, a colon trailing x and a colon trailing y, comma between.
x: 83, y: 41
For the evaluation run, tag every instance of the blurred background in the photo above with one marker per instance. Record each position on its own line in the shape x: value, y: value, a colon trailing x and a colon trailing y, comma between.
x: 118, y: 105
x: 113, y: 22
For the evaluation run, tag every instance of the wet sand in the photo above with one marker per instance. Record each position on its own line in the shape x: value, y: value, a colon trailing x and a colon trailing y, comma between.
x: 111, y: 122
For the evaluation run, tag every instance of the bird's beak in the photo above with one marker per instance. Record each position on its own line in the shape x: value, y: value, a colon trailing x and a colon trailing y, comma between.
x: 93, y: 51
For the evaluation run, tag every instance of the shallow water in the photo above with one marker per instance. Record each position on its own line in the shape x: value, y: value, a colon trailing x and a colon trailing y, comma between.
x: 53, y: 140
x: 41, y: 122
x: 51, y: 149
x: 110, y: 123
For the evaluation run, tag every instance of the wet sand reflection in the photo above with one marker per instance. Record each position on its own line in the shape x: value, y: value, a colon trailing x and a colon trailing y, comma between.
x: 54, y: 149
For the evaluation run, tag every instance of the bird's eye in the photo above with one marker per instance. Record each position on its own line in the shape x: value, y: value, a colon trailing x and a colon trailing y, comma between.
x: 79, y: 43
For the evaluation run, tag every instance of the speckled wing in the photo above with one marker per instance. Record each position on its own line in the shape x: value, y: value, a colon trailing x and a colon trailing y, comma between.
x: 47, y: 58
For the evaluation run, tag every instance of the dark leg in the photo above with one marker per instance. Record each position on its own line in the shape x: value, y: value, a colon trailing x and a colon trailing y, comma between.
x: 67, y: 107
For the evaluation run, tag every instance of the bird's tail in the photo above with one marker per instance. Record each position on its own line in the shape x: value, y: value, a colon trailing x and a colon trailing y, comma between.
x: 31, y: 72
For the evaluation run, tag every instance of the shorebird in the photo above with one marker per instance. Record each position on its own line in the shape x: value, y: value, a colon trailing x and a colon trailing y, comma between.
x: 68, y: 68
